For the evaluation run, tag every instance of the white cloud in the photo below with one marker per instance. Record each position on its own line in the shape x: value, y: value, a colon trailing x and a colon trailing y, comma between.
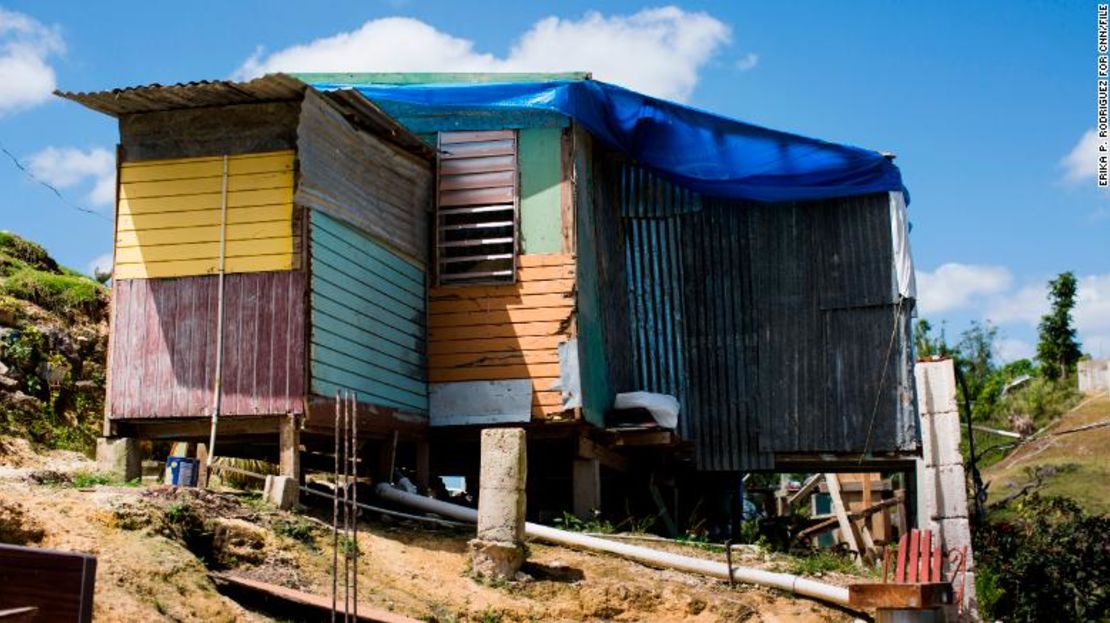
x: 657, y: 51
x: 1092, y: 304
x: 748, y: 61
x: 26, y: 46
x: 1025, y: 305
x: 68, y: 167
x: 1081, y: 163
x: 102, y: 262
x: 1012, y: 349
x: 957, y: 286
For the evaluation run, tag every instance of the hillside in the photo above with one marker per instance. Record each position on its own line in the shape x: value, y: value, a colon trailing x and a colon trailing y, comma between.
x: 53, y: 338
x: 1068, y: 464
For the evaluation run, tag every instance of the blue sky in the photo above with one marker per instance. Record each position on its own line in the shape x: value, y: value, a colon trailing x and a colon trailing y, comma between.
x: 983, y: 104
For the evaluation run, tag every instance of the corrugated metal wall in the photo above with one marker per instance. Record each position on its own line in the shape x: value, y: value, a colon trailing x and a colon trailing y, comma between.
x: 769, y: 322
x: 368, y: 319
x: 164, y: 340
x: 362, y: 180
x: 170, y: 213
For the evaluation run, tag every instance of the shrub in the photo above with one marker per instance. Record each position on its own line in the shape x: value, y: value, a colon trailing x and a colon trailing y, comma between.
x: 69, y: 295
x: 26, y: 251
x: 1048, y: 562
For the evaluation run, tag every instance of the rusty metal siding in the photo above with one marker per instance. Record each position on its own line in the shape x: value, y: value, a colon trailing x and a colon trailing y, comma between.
x: 363, y: 180
x: 163, y: 346
x: 770, y: 323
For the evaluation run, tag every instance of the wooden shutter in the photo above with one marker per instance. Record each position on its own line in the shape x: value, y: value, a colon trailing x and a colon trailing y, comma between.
x: 476, y: 211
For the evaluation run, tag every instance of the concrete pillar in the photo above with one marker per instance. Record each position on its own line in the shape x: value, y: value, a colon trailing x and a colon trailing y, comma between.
x: 498, y: 550
x: 281, y: 491
x: 586, y: 480
x: 289, y: 462
x: 941, y: 482
x: 119, y: 458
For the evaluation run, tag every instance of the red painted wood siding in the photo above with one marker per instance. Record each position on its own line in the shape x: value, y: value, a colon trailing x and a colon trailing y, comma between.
x: 163, y: 346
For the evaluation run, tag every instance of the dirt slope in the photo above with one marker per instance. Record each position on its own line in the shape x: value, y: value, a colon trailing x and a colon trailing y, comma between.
x: 1073, y: 465
x: 150, y: 543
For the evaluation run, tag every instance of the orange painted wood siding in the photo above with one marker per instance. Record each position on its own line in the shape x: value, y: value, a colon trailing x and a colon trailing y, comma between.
x: 505, y: 332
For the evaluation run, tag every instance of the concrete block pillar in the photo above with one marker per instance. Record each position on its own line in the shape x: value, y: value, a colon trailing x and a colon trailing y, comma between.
x: 498, y: 550
x: 119, y: 458
x: 281, y: 491
x: 941, y: 482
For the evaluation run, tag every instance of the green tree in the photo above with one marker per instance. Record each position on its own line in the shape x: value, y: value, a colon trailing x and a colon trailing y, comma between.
x: 1057, y: 347
x: 975, y: 354
x: 925, y: 344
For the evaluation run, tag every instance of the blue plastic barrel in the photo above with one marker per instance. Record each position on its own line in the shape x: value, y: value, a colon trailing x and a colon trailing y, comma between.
x: 183, y: 471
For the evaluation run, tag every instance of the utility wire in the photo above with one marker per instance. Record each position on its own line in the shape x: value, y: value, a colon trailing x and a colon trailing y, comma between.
x: 34, y: 178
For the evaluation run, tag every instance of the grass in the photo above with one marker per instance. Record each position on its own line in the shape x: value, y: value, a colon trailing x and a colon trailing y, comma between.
x: 821, y: 562
x: 299, y: 530
x: 1073, y: 465
x: 84, y: 480
x: 28, y: 273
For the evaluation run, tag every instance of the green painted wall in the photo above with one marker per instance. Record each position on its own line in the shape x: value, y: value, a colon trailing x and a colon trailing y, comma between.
x: 367, y: 318
x: 541, y: 176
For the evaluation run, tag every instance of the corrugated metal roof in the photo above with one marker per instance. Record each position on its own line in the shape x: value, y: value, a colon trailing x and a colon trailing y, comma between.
x: 270, y: 88
x: 198, y: 94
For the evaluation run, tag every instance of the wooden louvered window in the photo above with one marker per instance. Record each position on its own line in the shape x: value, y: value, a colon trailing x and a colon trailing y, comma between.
x: 476, y: 209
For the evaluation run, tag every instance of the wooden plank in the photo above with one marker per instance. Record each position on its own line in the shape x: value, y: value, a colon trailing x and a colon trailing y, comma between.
x: 206, y: 201
x: 489, y: 373
x: 925, y: 555
x: 356, y: 241
x: 201, y: 185
x: 331, y: 316
x: 911, y: 558
x: 466, y: 181
x: 903, y: 550
x: 533, y: 260
x: 357, y: 275
x: 195, y: 168
x: 322, y: 605
x: 489, y: 164
x: 482, y: 196
x: 199, y: 218
x: 211, y: 233
x: 397, y: 323
x: 547, y: 398
x: 448, y: 138
x: 186, y: 268
x: 500, y: 317
x: 807, y: 488
x: 542, y: 273
x: 326, y: 378
x: 847, y: 528
x: 59, y: 584
x: 588, y: 449
x: 522, y: 329
x: 204, y: 250
x: 528, y: 301
x: 554, y: 286
x: 495, y: 345
x: 479, y: 149
x: 479, y: 360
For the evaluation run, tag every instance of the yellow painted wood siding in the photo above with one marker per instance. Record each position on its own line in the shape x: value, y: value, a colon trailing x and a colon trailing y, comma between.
x: 168, y: 223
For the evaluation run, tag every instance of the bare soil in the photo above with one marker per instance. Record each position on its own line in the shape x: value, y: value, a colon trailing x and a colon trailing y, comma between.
x: 148, y: 540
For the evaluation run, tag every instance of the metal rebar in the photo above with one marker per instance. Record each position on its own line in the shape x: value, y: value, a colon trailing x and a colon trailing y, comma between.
x: 354, y: 504
x: 335, y: 516
x: 346, y: 513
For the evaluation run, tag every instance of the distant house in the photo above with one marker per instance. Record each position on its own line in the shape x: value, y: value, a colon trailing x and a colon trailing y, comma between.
x: 468, y: 250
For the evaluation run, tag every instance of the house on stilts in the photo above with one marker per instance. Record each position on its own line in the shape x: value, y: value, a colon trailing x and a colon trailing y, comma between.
x: 536, y: 250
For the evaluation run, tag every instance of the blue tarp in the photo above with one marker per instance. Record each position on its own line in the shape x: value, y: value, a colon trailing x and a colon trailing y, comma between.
x: 704, y: 152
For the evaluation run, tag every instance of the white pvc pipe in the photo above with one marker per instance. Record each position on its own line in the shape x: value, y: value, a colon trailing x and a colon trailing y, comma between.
x: 645, y: 555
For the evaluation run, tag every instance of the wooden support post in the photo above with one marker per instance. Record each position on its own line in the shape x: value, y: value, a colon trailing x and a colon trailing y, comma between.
x: 587, y: 487
x: 202, y: 466
x: 847, y: 527
x: 423, y: 465
x: 289, y: 443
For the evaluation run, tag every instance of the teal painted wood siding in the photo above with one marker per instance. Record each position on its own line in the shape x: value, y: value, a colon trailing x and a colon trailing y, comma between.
x: 368, y: 318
